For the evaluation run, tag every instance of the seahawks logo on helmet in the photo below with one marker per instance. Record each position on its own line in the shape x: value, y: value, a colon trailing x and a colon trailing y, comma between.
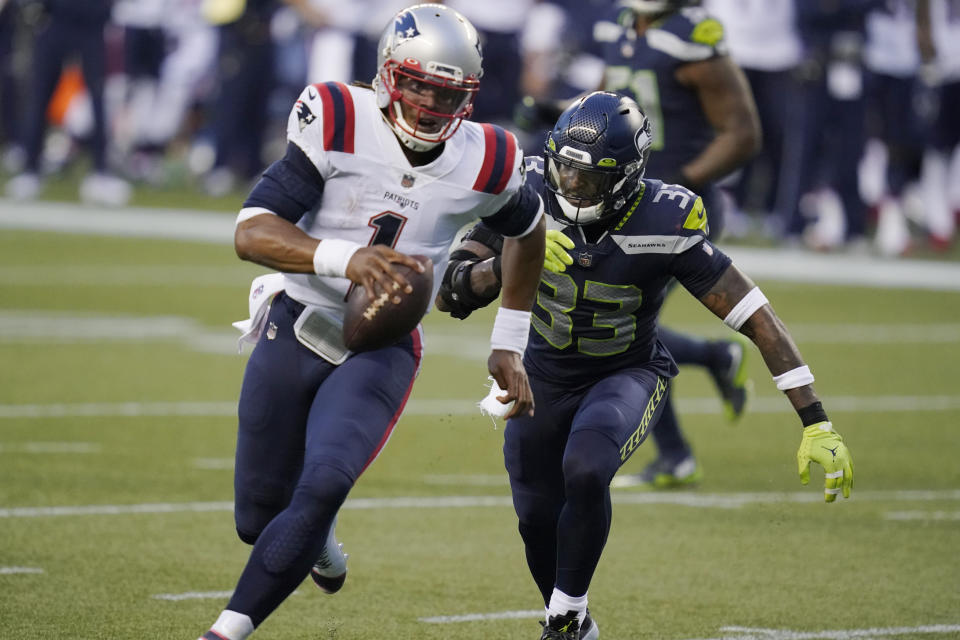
x: 304, y: 115
x: 405, y: 26
x: 642, y: 139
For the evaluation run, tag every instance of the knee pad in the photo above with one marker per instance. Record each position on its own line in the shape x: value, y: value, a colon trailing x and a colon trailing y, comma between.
x: 297, y: 537
x: 590, y: 461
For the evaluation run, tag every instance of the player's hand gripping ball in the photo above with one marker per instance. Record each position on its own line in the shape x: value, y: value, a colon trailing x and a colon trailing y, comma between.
x: 369, y: 325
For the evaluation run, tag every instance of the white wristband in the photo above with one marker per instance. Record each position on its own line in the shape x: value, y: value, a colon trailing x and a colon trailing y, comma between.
x: 794, y: 378
x: 747, y: 306
x: 510, y: 330
x: 332, y: 256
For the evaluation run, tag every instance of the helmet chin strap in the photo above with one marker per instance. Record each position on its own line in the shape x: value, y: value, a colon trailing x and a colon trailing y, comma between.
x: 578, y: 215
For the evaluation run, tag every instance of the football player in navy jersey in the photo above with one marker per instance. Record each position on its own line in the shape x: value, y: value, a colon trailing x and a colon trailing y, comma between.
x: 672, y: 59
x: 371, y: 177
x: 599, y: 373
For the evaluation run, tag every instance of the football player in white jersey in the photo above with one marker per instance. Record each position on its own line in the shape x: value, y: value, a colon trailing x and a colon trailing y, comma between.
x: 371, y: 176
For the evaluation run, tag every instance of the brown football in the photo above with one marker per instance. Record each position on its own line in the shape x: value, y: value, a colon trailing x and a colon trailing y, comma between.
x: 369, y: 325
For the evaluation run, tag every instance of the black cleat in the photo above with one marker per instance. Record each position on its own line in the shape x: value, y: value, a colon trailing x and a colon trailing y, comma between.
x: 563, y: 627
x: 588, y: 628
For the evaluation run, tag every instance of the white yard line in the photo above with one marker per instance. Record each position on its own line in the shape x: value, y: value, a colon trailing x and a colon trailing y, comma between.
x: 50, y: 327
x: 134, y: 222
x: 750, y: 633
x: 473, y: 617
x: 216, y: 464
x: 927, y: 516
x: 202, y: 226
x: 6, y: 571
x: 733, y: 633
x: 49, y: 447
x: 126, y: 275
x: 468, y: 407
x: 686, y: 499
x: 194, y: 595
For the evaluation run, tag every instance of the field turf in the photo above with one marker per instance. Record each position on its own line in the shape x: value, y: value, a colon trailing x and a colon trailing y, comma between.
x: 118, y: 384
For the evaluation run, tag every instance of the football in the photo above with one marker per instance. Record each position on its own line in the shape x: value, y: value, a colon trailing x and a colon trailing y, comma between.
x: 369, y: 325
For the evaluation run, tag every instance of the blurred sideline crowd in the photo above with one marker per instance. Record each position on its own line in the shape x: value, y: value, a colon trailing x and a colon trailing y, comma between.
x: 859, y: 100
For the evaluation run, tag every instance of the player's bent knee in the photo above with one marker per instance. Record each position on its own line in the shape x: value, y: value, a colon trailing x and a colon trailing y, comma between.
x: 584, y: 478
x: 253, y: 511
x: 602, y: 416
x: 247, y: 537
x: 323, y: 486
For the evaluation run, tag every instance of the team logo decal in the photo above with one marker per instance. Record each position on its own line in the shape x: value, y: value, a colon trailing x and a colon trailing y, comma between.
x: 642, y: 139
x: 585, y: 259
x: 407, y: 181
x: 405, y: 26
x: 304, y: 115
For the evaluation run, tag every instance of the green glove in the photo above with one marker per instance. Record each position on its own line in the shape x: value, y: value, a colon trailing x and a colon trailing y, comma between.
x: 823, y: 445
x: 556, y: 257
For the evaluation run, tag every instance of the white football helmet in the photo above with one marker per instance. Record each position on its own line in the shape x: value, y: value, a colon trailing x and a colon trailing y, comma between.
x: 428, y: 49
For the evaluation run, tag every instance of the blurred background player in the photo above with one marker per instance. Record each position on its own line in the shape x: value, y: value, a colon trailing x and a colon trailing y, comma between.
x: 820, y: 198
x: 246, y: 71
x: 673, y: 60
x: 599, y: 375
x: 371, y: 176
x: 69, y: 28
x: 765, y: 43
x: 941, y: 164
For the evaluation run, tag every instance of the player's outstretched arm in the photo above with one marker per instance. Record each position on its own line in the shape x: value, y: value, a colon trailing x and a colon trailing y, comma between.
x: 522, y: 264
x: 742, y: 306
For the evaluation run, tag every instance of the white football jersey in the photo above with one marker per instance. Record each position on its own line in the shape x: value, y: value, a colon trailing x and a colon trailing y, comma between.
x: 372, y: 195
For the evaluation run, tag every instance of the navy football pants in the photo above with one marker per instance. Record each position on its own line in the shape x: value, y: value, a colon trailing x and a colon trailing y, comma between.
x: 561, y: 462
x: 307, y: 430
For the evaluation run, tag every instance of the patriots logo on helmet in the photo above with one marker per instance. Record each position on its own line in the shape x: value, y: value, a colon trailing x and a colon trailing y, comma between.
x: 405, y: 26
x: 304, y: 115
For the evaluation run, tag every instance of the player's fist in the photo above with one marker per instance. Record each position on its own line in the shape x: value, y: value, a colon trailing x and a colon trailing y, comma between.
x: 823, y: 445
x: 556, y: 258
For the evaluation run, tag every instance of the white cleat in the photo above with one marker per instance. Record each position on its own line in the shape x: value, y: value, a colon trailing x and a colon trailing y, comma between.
x: 25, y: 186
x: 106, y: 190
x: 330, y: 570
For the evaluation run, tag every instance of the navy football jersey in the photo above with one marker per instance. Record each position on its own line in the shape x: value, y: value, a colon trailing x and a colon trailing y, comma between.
x: 644, y: 67
x: 600, y: 314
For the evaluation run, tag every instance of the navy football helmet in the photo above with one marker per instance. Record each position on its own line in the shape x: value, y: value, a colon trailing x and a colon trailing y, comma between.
x: 595, y: 157
x: 656, y: 6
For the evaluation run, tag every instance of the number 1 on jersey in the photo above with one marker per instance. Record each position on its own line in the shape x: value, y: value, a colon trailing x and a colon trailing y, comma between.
x: 387, y: 227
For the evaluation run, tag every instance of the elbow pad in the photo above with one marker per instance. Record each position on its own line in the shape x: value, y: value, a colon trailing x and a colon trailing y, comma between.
x: 455, y: 290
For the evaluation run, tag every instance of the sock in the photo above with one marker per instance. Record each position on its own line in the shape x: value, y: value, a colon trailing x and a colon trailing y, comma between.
x: 561, y: 604
x: 232, y: 626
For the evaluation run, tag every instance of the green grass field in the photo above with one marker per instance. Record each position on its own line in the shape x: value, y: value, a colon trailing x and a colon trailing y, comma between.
x: 118, y: 384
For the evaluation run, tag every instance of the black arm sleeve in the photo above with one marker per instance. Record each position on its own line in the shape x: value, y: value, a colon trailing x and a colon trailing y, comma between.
x: 517, y: 215
x: 289, y: 187
x: 699, y: 267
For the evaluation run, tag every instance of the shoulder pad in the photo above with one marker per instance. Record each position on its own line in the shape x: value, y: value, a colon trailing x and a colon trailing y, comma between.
x: 499, y: 159
x: 689, y: 36
x: 339, y: 119
x: 681, y: 204
x: 323, y: 119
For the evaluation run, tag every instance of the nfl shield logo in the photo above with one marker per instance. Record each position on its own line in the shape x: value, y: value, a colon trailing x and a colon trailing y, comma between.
x: 407, y: 180
x: 585, y: 259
